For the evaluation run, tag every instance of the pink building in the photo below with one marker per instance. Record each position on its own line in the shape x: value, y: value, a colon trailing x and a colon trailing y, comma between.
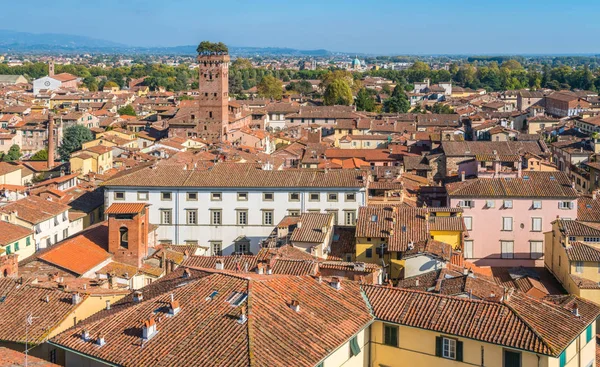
x: 506, y: 217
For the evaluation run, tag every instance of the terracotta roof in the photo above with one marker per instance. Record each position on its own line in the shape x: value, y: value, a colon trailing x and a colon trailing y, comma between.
x: 125, y: 208
x: 295, y: 267
x: 579, y: 251
x: 472, y: 148
x: 520, y: 322
x: 235, y: 175
x: 210, y: 306
x: 64, y: 77
x: 446, y: 224
x: 531, y: 185
x: 588, y: 209
x: 82, y: 252
x: 34, y: 209
x: 12, y: 358
x: 10, y: 233
x: 576, y: 228
x: 400, y: 225
x: 310, y: 227
x: 21, y: 300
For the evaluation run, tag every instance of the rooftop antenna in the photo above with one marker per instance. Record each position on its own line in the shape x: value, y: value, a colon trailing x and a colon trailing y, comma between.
x: 28, y: 323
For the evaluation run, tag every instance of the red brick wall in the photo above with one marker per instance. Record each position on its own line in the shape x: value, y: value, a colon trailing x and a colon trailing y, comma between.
x: 137, y: 248
x: 214, y: 96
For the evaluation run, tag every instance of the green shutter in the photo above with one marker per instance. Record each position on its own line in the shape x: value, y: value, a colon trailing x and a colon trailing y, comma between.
x: 563, y: 358
x: 354, y: 348
x: 28, y: 241
x: 16, y: 246
x: 8, y: 249
x: 459, y: 351
x: 438, y: 346
x: 588, y: 334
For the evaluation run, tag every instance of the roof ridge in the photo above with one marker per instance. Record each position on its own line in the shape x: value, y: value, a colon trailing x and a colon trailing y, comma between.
x: 250, y: 327
x: 529, y: 326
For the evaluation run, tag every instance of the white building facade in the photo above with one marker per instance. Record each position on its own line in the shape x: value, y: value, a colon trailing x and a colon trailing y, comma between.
x: 235, y: 215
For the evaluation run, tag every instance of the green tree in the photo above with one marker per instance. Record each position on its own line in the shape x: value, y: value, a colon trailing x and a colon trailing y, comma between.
x: 40, y: 155
x: 364, y: 102
x: 110, y: 84
x: 270, y: 87
x: 302, y: 87
x: 14, y: 154
x: 241, y: 63
x: 338, y: 92
x: 398, y: 102
x: 206, y: 47
x: 73, y: 138
x: 441, y: 108
x: 127, y: 110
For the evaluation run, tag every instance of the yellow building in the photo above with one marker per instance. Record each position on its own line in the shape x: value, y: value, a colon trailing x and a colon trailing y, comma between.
x: 14, y: 174
x: 572, y: 254
x: 384, y: 234
x: 420, y: 329
x: 96, y: 159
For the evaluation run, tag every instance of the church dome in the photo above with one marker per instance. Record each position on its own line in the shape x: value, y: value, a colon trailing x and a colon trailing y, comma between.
x: 356, y: 63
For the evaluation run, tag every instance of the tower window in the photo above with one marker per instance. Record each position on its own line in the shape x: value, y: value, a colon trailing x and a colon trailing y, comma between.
x: 124, y: 237
x: 210, y: 114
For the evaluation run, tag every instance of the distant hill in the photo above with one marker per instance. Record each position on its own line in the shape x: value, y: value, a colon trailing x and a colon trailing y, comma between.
x: 11, y: 41
x: 30, y: 41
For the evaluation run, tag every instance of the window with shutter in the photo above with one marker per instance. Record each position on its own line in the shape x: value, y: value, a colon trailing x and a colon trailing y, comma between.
x: 512, y: 359
x: 390, y: 335
x: 588, y: 333
x: 354, y: 348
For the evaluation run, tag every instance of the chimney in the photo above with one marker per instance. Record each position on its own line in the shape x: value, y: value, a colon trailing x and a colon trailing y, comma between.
x: 51, y: 147
x: 85, y: 335
x: 295, y: 305
x: 107, y: 304
x: 100, y: 340
x: 594, y: 194
x: 336, y: 283
x: 149, y: 328
x: 462, y: 175
x: 576, y: 310
x: 219, y: 265
x: 174, y: 307
x: 138, y: 297
x: 186, y: 273
x: 416, y: 282
x: 260, y: 268
x: 76, y: 298
x: 243, y: 318
x: 299, y: 225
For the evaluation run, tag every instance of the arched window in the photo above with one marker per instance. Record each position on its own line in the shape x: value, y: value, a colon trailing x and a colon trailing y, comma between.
x: 5, y: 273
x: 124, y: 237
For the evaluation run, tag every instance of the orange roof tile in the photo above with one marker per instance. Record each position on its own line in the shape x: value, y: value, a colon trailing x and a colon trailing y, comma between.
x: 81, y: 252
x: 125, y: 208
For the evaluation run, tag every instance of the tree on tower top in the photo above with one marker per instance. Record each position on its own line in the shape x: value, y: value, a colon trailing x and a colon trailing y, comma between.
x: 208, y: 48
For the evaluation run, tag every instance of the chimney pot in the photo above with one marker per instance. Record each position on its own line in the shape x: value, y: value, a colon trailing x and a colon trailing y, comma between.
x: 219, y: 265
x: 107, y: 304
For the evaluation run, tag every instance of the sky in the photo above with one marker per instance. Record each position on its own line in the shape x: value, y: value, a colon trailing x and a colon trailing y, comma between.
x: 372, y: 27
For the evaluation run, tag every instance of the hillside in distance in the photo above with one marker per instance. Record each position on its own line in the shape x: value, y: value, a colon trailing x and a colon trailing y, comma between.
x: 23, y: 42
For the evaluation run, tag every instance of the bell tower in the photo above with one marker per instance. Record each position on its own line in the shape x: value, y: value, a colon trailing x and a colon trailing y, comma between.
x: 213, y: 87
x: 50, y: 68
x: 128, y: 232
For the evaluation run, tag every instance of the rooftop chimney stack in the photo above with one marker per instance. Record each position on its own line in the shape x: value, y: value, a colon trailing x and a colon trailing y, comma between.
x: 100, y: 340
x: 85, y: 335
x: 138, y: 297
x: 594, y: 194
x: 107, y: 305
x: 219, y: 265
x: 243, y: 318
x: 51, y: 146
x: 462, y: 175
x: 576, y: 310
x: 336, y: 283
x: 295, y: 305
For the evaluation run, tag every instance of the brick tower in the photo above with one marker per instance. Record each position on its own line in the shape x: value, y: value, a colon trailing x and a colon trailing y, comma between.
x: 213, y: 86
x: 128, y: 232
